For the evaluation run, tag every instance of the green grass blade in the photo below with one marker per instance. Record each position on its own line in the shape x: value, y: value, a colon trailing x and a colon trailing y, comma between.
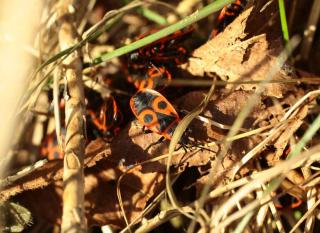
x: 244, y: 222
x: 283, y: 19
x: 153, y: 16
x: 314, y: 127
x: 149, y: 14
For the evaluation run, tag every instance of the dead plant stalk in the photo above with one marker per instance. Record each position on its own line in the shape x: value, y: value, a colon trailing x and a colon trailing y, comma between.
x: 73, y: 216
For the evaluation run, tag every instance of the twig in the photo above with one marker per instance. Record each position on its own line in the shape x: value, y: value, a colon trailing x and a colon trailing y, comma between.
x: 73, y: 216
x: 293, y: 11
x: 305, y: 216
x: 56, y: 103
x: 310, y: 30
x: 159, y: 219
x: 311, y: 200
x: 27, y: 170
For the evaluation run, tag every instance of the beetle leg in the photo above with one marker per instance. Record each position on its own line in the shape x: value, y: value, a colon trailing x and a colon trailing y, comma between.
x: 154, y: 143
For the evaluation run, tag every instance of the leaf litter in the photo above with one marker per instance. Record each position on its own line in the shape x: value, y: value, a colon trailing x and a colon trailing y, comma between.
x: 105, y: 163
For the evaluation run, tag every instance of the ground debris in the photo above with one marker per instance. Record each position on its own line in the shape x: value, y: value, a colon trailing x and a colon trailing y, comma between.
x: 105, y: 163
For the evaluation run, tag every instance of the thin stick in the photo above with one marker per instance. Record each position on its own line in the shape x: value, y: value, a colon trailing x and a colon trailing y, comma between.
x: 73, y: 216
x: 56, y: 103
x: 310, y: 30
x: 311, y: 200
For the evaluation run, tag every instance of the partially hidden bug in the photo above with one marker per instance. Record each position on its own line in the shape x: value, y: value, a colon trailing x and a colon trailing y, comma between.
x: 154, y: 78
x: 227, y: 15
x: 288, y: 202
x: 155, y: 112
x: 167, y: 50
x: 50, y: 148
x: 149, y: 65
x: 108, y: 117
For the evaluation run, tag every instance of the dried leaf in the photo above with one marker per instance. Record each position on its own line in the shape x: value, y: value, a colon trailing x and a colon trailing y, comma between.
x: 246, y: 50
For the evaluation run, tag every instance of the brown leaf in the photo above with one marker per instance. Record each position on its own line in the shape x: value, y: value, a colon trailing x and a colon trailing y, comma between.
x: 246, y: 50
x: 281, y: 143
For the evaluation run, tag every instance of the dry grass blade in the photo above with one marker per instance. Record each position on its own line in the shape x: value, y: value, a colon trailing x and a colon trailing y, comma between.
x: 11, y: 179
x: 294, y: 123
x: 298, y: 103
x: 305, y: 216
x: 261, y: 178
x: 257, y: 149
x: 56, y: 105
x: 207, y: 83
x: 146, y: 211
x: 275, y: 215
x: 262, y: 212
x: 160, y: 218
x: 131, y: 168
x: 175, y: 140
x: 94, y: 30
x: 311, y: 200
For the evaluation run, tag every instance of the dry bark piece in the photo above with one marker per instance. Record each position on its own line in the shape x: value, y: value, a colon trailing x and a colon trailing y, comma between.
x: 52, y: 171
x: 246, y: 50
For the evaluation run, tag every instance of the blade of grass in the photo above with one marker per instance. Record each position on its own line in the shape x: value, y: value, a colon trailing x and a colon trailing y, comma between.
x: 207, y: 83
x: 283, y: 20
x: 181, y: 128
x: 305, y: 216
x: 196, y: 16
x: 152, y: 15
x: 314, y: 127
x: 244, y: 222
